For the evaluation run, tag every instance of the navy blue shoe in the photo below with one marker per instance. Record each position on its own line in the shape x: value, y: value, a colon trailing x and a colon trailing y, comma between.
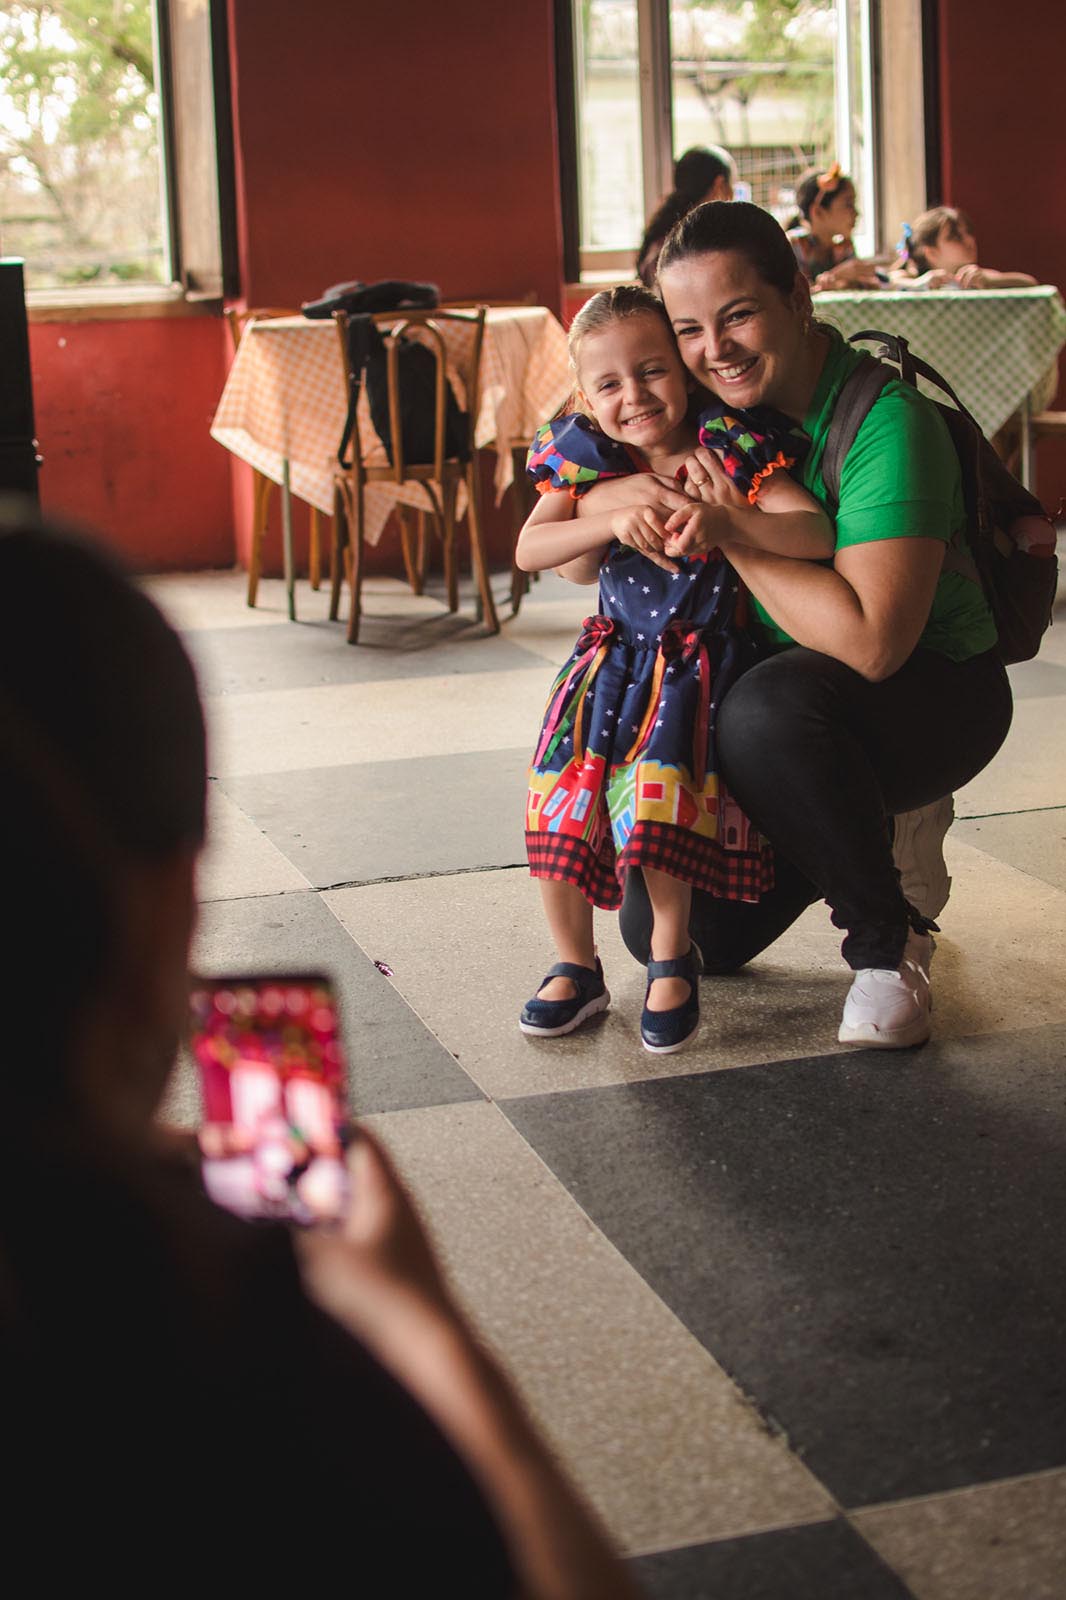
x: 550, y: 1018
x: 663, y: 1032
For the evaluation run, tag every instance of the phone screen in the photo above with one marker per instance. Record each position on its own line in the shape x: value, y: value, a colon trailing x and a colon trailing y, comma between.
x: 272, y: 1078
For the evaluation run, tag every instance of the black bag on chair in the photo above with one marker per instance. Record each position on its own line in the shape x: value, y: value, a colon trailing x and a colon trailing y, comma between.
x: 389, y: 294
x: 418, y: 395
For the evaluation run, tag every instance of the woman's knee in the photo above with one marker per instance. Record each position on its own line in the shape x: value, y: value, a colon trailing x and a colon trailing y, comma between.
x: 770, y: 710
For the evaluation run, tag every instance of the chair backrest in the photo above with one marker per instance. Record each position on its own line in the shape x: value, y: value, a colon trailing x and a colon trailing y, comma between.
x: 237, y: 321
x: 454, y: 339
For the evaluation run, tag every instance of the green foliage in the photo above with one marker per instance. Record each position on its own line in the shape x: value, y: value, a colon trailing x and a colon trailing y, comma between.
x: 79, y: 166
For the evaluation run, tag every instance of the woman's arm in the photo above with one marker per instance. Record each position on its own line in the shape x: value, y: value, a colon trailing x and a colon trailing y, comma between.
x: 868, y: 609
x: 798, y: 525
x: 974, y: 277
x: 379, y: 1279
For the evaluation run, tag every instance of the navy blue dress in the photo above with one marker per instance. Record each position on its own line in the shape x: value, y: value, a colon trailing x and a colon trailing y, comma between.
x: 624, y: 773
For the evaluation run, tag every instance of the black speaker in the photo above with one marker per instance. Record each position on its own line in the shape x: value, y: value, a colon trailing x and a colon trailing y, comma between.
x: 18, y: 446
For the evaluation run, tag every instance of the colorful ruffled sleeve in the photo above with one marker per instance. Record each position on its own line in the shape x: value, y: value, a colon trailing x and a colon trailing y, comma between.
x: 752, y: 444
x: 571, y: 453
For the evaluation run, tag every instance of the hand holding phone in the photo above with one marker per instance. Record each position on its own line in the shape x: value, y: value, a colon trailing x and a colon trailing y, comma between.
x: 272, y: 1080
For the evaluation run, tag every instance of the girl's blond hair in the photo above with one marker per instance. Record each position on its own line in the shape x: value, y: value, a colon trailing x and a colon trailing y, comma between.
x: 605, y: 308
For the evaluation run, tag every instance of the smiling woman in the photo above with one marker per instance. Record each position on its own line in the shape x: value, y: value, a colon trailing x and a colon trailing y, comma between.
x: 878, y: 688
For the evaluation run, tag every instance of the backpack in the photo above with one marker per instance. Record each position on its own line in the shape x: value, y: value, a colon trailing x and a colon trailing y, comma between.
x: 1008, y: 543
x: 417, y: 381
x: 388, y: 294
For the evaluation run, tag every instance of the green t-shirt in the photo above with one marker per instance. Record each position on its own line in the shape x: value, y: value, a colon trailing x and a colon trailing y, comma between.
x: 899, y: 480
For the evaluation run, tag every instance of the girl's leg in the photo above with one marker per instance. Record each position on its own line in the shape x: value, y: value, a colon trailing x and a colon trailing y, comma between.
x: 569, y: 917
x: 729, y: 933
x: 671, y: 903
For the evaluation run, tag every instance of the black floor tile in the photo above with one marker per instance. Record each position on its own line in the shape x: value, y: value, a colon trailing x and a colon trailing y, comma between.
x: 393, y: 819
x: 394, y: 1062
x: 304, y: 654
x: 826, y: 1561
x: 870, y: 1244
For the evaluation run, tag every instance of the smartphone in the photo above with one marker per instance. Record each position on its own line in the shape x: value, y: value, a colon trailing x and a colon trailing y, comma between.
x: 272, y: 1077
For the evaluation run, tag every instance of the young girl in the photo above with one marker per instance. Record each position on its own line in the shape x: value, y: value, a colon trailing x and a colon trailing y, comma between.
x: 940, y: 252
x: 820, y: 235
x: 624, y: 773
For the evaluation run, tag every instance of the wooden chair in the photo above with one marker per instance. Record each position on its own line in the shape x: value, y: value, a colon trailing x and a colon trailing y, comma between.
x: 439, y: 480
x: 261, y: 484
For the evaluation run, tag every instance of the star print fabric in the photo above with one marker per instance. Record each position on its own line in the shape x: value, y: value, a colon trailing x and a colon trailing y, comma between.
x: 624, y: 774
x: 752, y: 444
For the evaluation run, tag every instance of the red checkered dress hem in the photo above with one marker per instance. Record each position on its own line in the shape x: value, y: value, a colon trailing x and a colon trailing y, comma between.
x: 561, y: 857
x: 704, y: 863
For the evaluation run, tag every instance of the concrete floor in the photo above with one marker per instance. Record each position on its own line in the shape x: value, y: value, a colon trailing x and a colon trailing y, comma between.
x: 793, y: 1315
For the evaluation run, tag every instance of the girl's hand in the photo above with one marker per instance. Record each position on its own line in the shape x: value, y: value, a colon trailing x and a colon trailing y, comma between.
x: 661, y: 495
x: 971, y: 276
x: 708, y: 481
x: 641, y: 529
x: 697, y: 530
x: 851, y: 274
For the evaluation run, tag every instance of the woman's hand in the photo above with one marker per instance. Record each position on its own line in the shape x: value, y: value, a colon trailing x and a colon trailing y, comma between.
x: 641, y: 529
x: 380, y: 1248
x: 853, y: 274
x: 707, y: 480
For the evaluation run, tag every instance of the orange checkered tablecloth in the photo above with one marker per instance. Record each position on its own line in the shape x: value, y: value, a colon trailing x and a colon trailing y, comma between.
x: 285, y: 400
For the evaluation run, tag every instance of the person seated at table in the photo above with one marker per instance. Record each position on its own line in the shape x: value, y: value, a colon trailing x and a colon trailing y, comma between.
x: 820, y: 233
x: 706, y: 172
x: 187, y: 1391
x: 939, y: 251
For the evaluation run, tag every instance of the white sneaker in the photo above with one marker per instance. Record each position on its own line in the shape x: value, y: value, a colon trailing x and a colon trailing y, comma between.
x: 918, y: 851
x: 888, y: 1007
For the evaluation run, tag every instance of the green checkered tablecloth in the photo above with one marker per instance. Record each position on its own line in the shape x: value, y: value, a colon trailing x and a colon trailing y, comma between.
x: 994, y: 346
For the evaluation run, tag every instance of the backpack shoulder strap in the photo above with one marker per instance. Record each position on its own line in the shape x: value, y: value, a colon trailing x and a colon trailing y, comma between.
x: 854, y: 401
x: 911, y: 367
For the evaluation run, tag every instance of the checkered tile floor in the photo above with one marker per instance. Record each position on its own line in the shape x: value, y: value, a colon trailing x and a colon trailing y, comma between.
x: 794, y: 1316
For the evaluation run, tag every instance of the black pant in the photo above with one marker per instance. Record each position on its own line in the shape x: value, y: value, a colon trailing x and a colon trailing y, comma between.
x: 820, y: 758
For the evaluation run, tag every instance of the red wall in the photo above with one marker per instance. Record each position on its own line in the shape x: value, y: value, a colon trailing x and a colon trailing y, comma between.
x: 1004, y: 153
x: 122, y: 413
x: 422, y: 147
x: 408, y: 141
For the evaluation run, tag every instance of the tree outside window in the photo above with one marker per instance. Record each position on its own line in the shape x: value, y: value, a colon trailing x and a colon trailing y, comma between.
x: 760, y: 77
x: 81, y: 188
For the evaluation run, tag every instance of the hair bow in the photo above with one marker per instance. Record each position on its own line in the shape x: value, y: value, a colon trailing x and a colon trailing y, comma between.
x: 830, y: 178
x: 903, y: 248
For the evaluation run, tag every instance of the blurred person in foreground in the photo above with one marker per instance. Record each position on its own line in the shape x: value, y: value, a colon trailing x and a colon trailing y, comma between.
x: 188, y: 1393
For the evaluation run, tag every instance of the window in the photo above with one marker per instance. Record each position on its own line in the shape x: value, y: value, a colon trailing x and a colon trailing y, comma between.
x: 783, y: 85
x: 107, y: 122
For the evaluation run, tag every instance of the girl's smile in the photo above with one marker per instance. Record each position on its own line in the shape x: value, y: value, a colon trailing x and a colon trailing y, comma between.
x: 634, y: 383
